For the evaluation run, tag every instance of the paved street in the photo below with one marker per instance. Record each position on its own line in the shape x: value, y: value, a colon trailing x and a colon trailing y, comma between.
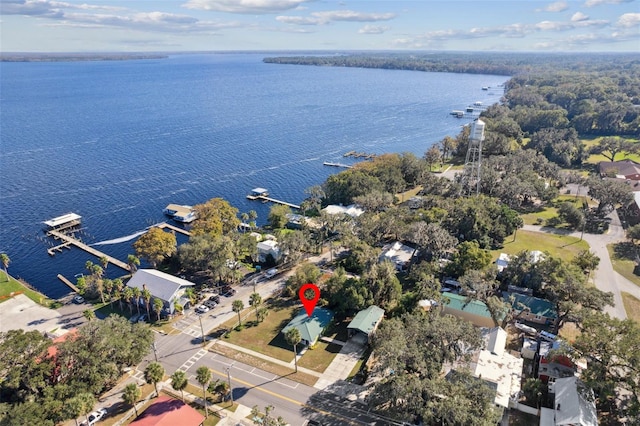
x: 605, y: 278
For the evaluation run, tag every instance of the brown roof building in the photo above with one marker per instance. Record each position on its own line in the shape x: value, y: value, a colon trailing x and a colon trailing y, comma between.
x: 167, y: 411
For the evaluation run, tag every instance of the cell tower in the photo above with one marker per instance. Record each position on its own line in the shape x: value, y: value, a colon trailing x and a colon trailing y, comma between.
x: 473, y: 162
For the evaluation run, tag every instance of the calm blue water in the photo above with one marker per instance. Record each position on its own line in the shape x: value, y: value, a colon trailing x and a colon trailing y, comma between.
x: 117, y: 141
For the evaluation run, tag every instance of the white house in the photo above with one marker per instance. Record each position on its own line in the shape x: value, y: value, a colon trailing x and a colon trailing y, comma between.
x: 351, y: 210
x: 496, y: 365
x: 397, y: 253
x: 574, y: 405
x: 266, y: 248
x: 162, y: 286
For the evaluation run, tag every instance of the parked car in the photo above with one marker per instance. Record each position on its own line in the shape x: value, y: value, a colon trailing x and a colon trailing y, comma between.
x: 227, y: 291
x: 78, y: 299
x: 215, y: 298
x: 202, y: 309
x: 95, y: 417
x: 210, y: 304
x: 143, y: 318
x: 271, y: 273
x: 134, y: 318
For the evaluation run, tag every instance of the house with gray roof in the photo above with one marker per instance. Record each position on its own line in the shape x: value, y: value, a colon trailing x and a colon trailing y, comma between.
x: 366, y: 322
x: 574, y: 404
x: 163, y: 286
x: 310, y: 327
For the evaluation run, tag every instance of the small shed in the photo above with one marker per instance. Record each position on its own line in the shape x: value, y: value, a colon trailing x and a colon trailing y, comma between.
x: 366, y: 321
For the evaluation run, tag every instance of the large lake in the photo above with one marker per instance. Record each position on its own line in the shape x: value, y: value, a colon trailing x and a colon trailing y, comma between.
x: 116, y: 141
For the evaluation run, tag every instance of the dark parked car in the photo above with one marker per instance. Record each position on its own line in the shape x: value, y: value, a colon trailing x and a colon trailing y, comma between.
x: 215, y: 298
x: 227, y: 291
x: 210, y: 304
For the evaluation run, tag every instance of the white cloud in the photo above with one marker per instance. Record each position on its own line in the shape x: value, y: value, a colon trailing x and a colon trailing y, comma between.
x: 47, y: 8
x: 558, y: 6
x: 323, y: 18
x: 592, y: 3
x: 579, y: 16
x: 352, y: 16
x: 245, y: 6
x: 372, y: 29
x: 629, y: 20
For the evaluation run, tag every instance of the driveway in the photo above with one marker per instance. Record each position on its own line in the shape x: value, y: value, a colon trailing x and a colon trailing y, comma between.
x: 605, y: 278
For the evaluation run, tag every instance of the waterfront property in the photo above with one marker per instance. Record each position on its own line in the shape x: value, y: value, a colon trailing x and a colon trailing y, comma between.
x: 310, y: 327
x: 163, y: 286
x: 268, y: 248
x: 366, y: 322
x: 263, y: 194
x: 63, y: 223
x: 184, y: 214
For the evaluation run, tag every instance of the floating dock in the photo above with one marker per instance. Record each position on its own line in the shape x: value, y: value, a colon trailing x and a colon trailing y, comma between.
x: 70, y: 240
x: 356, y: 154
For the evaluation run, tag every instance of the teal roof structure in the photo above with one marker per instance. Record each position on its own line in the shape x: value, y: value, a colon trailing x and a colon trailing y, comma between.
x: 461, y: 303
x: 536, y: 305
x: 367, y: 319
x: 310, y: 327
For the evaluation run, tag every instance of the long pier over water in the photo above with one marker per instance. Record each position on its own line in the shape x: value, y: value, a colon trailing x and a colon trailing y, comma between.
x: 69, y: 240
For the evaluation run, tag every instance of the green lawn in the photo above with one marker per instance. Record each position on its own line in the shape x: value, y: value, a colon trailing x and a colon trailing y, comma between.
x: 13, y: 285
x: 622, y: 258
x: 632, y: 306
x: 319, y: 358
x: 551, y: 211
x: 562, y: 246
x: 266, y: 337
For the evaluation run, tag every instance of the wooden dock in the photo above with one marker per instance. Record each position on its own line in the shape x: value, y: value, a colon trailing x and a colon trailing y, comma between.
x: 73, y: 241
x: 328, y: 163
x: 164, y: 225
x: 69, y: 283
x: 52, y: 251
x: 273, y: 200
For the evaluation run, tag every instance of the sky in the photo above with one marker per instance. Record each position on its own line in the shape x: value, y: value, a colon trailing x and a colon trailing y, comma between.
x: 221, y: 25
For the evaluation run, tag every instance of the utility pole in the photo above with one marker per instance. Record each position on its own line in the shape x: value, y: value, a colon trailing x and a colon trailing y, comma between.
x: 155, y: 350
x: 201, y: 330
x: 229, y: 379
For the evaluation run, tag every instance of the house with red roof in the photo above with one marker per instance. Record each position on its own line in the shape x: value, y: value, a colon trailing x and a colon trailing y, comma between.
x: 167, y: 411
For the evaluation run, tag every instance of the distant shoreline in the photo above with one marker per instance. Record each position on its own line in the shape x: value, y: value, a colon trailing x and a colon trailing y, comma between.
x: 77, y: 57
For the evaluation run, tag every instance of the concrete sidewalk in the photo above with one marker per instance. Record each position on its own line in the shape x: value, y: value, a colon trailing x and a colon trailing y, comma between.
x: 342, y: 364
x: 267, y: 358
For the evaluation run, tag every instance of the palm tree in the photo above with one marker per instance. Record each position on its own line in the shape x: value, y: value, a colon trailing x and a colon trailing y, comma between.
x: 179, y: 382
x: 104, y: 261
x: 4, y: 258
x: 191, y: 295
x: 89, y: 314
x: 153, y: 374
x: 133, y: 261
x: 136, y: 296
x: 253, y: 215
x: 292, y: 336
x: 244, y: 217
x: 118, y: 286
x: 131, y: 395
x: 86, y: 401
x: 237, y: 307
x: 255, y: 300
x: 146, y: 296
x: 157, y: 306
x: 108, y: 285
x: 127, y: 294
x: 203, y: 376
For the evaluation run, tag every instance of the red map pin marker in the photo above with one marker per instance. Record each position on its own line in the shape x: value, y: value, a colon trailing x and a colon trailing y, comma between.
x: 309, y: 304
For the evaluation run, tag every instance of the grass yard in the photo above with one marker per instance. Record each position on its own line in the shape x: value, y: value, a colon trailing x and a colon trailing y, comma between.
x: 632, y: 306
x: 550, y: 212
x: 623, y: 260
x: 319, y: 358
x: 265, y: 337
x: 12, y: 286
x: 562, y: 246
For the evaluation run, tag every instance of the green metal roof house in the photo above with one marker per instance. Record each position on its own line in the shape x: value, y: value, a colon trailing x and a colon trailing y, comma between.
x: 474, y: 311
x: 366, y: 321
x: 533, y: 309
x: 310, y: 327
